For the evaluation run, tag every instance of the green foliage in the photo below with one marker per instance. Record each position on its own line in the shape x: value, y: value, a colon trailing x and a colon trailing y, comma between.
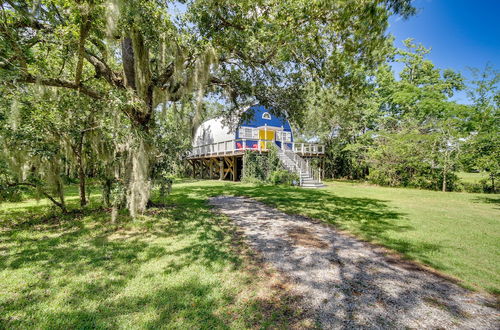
x: 479, y: 182
x: 265, y: 167
x: 406, y: 131
x: 284, y: 177
x: 482, y: 147
x: 256, y: 167
x: 134, y: 57
x: 418, y: 129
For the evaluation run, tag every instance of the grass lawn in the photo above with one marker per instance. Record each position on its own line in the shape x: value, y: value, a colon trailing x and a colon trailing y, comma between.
x: 455, y: 233
x: 183, y: 266
x: 177, y: 267
x: 472, y: 178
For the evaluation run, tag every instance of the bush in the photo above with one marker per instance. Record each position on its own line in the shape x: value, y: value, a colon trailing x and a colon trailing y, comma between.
x: 423, y: 177
x: 483, y: 186
x: 256, y: 167
x: 283, y: 177
x: 11, y: 194
x: 267, y: 167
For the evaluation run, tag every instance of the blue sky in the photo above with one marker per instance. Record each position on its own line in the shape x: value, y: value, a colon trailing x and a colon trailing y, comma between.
x: 461, y: 33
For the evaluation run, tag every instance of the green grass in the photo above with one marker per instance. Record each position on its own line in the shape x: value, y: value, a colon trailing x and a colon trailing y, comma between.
x: 457, y: 234
x: 472, y: 178
x: 181, y: 266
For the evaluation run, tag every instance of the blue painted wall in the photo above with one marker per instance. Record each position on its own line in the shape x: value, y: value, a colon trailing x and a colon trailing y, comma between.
x: 258, y: 121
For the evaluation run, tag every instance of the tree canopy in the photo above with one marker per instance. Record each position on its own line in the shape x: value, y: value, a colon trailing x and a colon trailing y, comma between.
x: 127, y: 59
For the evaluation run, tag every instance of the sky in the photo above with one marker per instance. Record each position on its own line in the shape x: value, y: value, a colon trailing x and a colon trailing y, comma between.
x: 460, y: 33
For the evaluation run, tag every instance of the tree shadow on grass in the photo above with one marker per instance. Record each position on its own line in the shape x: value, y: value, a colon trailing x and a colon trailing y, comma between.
x: 368, y: 217
x: 189, y: 302
x: 350, y: 284
x: 488, y: 200
x: 92, y: 262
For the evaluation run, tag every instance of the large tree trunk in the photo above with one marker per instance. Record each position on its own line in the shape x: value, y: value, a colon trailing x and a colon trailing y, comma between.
x: 139, y: 79
x: 139, y: 183
x: 106, y: 192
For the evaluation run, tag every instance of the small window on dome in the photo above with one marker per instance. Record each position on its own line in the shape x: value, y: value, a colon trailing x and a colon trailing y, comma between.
x: 266, y: 115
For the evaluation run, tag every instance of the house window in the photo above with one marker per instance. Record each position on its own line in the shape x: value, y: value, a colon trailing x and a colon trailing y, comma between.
x: 248, y: 133
x: 284, y: 136
x: 266, y: 115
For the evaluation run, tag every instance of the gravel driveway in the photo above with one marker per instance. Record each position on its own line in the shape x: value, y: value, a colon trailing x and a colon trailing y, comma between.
x: 348, y: 283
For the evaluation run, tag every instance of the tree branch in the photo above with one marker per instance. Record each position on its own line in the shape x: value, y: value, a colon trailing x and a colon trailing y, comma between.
x: 84, y: 30
x: 43, y: 192
x: 54, y: 82
x: 161, y: 81
x: 102, y: 69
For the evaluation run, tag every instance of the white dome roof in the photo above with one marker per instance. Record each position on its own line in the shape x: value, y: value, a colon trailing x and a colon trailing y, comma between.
x: 212, y: 131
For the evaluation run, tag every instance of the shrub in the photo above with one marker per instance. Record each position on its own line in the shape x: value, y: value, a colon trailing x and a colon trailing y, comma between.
x: 266, y: 167
x: 283, y: 177
x: 483, y: 186
x: 424, y: 177
x: 255, y: 168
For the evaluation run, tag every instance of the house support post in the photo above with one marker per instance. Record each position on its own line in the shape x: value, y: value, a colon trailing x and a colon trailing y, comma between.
x: 213, y: 168
x: 229, y: 169
x: 221, y: 169
x: 206, y: 167
x: 235, y: 169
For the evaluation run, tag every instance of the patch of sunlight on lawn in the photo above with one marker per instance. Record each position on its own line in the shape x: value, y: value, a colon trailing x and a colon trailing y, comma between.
x: 456, y: 233
x: 181, y: 266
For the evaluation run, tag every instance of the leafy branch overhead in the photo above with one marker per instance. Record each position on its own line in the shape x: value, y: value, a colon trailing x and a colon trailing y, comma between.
x: 137, y: 56
x: 139, y: 45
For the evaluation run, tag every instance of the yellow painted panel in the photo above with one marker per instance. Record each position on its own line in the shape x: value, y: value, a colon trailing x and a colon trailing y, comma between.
x: 265, y: 135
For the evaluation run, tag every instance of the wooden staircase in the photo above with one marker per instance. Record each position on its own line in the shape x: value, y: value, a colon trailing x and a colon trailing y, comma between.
x: 309, y: 177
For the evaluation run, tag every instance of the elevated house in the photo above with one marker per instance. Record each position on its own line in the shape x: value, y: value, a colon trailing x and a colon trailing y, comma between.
x: 218, y: 147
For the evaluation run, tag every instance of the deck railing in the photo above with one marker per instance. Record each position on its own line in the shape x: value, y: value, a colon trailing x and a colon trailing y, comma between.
x: 302, y: 165
x: 308, y: 148
x: 235, y: 146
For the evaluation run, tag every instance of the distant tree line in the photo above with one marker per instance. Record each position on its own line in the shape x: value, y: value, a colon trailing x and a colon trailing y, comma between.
x: 406, y: 130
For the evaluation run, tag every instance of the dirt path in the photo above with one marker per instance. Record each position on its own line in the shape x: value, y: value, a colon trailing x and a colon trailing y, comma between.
x: 347, y: 283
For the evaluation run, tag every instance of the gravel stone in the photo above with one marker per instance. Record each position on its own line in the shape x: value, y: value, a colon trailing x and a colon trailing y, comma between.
x: 348, y: 283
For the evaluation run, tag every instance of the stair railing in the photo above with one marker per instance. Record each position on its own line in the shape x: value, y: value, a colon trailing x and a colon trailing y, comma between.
x: 295, y: 168
x: 301, y: 164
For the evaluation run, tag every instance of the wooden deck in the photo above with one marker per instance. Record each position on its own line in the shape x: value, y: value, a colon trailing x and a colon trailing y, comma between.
x: 224, y: 160
x: 238, y: 147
